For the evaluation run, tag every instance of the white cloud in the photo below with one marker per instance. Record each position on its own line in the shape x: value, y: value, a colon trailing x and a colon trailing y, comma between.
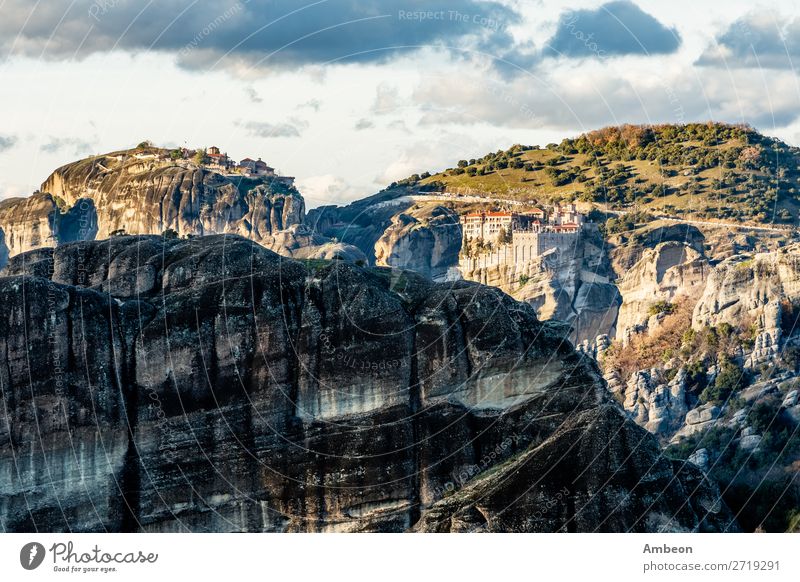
x: 292, y: 128
x: 431, y: 155
x: 387, y: 99
x: 7, y: 142
x: 327, y: 189
x: 583, y: 98
x: 364, y: 123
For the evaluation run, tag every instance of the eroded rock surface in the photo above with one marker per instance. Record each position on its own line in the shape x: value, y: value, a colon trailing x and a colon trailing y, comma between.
x: 117, y: 193
x: 575, y: 286
x: 424, y: 239
x: 669, y: 272
x: 212, y: 385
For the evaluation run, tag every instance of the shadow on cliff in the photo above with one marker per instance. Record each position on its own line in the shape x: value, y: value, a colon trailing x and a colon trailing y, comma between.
x: 3, y: 250
x: 78, y: 223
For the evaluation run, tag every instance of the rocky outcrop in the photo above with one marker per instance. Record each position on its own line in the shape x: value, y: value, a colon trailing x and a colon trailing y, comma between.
x: 27, y: 223
x: 559, y: 497
x: 393, y: 229
x: 425, y: 239
x: 748, y: 290
x: 140, y: 197
x: 698, y: 420
x: 625, y: 250
x: 700, y: 458
x: 211, y: 385
x: 363, y: 222
x: 300, y: 242
x: 118, y: 193
x: 666, y: 273
x: 748, y: 287
x: 595, y: 349
x: 41, y: 220
x: 656, y: 404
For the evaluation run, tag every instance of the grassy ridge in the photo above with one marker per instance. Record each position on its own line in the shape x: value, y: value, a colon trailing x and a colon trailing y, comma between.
x: 699, y: 171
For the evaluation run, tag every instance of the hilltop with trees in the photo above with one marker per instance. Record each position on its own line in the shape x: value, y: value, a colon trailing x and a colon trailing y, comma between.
x: 696, y: 171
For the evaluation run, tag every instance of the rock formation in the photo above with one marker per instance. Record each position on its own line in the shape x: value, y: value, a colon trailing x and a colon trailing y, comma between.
x: 744, y: 286
x: 394, y: 230
x: 666, y: 273
x: 576, y: 286
x: 101, y: 195
x: 423, y: 239
x: 210, y: 384
x: 656, y: 404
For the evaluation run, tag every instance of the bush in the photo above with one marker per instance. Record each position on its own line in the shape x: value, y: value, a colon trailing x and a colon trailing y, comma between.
x: 729, y: 380
x: 200, y: 157
x: 660, y: 307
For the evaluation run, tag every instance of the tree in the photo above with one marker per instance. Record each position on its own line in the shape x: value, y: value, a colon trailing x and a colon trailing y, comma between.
x: 729, y: 380
x: 200, y: 157
x: 170, y: 234
x: 504, y: 237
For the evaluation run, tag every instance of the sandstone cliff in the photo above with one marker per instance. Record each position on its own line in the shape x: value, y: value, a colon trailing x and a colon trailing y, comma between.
x: 745, y: 286
x: 394, y: 229
x: 212, y: 385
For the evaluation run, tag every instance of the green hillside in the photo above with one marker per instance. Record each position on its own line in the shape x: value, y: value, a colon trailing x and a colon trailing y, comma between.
x: 698, y: 171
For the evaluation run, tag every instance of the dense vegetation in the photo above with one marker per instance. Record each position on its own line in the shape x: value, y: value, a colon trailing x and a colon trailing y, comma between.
x: 696, y: 170
x: 754, y: 484
x: 676, y: 343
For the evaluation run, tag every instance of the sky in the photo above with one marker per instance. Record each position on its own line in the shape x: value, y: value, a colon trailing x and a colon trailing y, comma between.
x: 350, y: 95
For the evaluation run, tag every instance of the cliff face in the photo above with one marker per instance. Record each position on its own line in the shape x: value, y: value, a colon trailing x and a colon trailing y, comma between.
x: 211, y: 385
x: 574, y: 286
x: 667, y: 273
x: 746, y: 285
x: 26, y: 223
x: 95, y: 197
x: 422, y: 239
x: 149, y: 197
